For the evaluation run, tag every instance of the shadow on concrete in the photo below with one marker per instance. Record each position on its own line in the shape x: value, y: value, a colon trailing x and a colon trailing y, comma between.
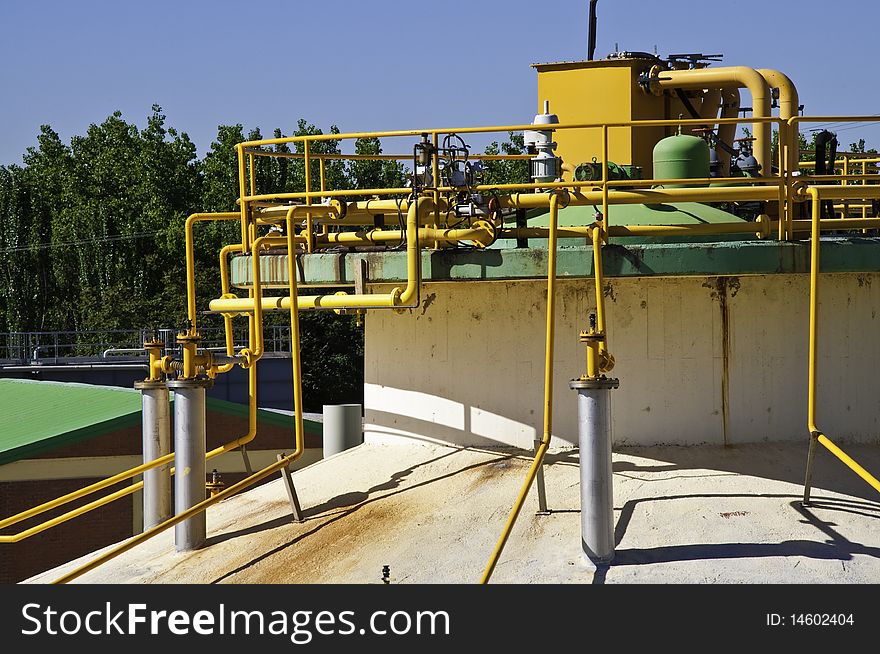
x: 348, y: 503
x: 779, y: 461
x: 836, y: 547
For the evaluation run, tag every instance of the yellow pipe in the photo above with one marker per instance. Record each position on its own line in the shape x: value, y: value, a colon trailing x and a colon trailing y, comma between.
x: 334, y: 156
x: 789, y: 105
x: 86, y: 490
x: 815, y: 197
x: 309, y: 234
x: 124, y: 475
x: 548, y: 393
x: 605, y: 177
x: 397, y: 298
x: 299, y: 439
x: 599, y: 281
x: 294, y: 332
x: 837, y: 224
x: 743, y: 77
x: 646, y: 196
x: 245, y: 232
x: 190, y: 257
x: 849, y: 462
x: 479, y: 130
x: 253, y: 174
x: 70, y: 515
x: 194, y: 510
x: 225, y: 291
x: 481, y: 235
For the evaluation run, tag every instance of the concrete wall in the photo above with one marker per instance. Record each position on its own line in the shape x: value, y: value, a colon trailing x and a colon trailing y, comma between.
x: 700, y: 360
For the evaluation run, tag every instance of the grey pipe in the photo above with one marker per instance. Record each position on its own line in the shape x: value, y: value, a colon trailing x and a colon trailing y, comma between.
x: 156, y: 424
x: 189, y: 461
x: 343, y: 428
x: 597, y: 497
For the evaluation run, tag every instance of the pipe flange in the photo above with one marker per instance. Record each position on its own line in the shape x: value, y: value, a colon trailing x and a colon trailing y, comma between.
x: 190, y: 383
x: 149, y: 384
x: 594, y: 383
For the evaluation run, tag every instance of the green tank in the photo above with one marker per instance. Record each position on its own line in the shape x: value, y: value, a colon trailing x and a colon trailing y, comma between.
x: 681, y: 157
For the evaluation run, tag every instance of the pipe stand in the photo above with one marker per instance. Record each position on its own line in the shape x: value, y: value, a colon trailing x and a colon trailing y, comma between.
x: 594, y: 436
x: 156, y: 427
x: 189, y: 459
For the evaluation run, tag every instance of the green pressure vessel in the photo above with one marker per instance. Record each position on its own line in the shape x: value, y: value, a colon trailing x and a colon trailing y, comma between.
x: 681, y: 157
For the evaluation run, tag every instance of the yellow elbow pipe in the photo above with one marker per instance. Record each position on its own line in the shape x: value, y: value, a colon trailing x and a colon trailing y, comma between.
x: 741, y: 76
x: 190, y: 257
x: 789, y: 106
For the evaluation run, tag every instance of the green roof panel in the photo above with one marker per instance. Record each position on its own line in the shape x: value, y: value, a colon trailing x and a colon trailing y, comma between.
x: 41, y: 415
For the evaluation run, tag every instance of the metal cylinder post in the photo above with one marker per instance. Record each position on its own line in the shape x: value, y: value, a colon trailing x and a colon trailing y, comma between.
x: 156, y: 427
x: 189, y: 460
x: 594, y: 437
x: 343, y: 428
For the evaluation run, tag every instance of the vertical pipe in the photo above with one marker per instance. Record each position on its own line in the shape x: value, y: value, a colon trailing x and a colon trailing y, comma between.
x: 594, y: 439
x: 605, y: 177
x: 242, y: 192
x: 156, y: 425
x: 599, y: 279
x: 435, y: 173
x: 343, y: 428
x: 544, y: 445
x: 814, y: 336
x: 306, y: 158
x: 189, y: 459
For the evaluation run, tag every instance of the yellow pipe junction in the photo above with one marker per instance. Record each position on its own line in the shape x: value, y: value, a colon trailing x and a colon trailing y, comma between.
x: 422, y: 228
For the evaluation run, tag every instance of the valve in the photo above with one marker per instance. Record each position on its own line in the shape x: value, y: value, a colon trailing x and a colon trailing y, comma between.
x: 215, y: 485
x: 599, y: 359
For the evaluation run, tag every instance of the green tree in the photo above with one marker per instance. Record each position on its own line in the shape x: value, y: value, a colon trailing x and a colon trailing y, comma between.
x: 507, y: 171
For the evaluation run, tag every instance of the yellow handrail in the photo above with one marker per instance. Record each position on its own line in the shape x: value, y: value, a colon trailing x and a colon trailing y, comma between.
x: 816, y: 436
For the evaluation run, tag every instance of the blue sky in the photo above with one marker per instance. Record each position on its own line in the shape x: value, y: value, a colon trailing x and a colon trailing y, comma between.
x: 387, y: 64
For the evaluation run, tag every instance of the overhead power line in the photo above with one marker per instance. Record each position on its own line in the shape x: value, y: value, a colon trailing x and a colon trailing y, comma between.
x: 89, y: 241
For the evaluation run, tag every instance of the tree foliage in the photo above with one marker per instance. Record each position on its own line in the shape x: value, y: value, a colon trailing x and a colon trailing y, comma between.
x: 92, y: 233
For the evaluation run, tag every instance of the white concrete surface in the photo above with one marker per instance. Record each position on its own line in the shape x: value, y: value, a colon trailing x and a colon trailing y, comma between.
x: 467, y: 366
x: 433, y: 514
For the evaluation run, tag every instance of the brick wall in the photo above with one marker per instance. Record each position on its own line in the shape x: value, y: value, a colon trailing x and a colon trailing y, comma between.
x: 113, y: 522
x: 108, y: 524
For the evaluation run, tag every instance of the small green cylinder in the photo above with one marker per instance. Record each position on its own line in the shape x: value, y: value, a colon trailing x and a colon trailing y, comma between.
x: 681, y: 157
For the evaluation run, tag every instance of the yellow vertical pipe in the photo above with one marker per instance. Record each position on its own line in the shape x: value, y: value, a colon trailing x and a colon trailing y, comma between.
x: 190, y: 256
x: 325, y: 228
x: 294, y: 329
x: 309, y: 235
x: 789, y: 106
x: 844, y: 183
x: 814, y: 308
x: 224, y: 289
x: 548, y: 393
x: 605, y: 177
x: 598, y: 275
x: 253, y: 174
x: 435, y: 173
x: 242, y: 192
